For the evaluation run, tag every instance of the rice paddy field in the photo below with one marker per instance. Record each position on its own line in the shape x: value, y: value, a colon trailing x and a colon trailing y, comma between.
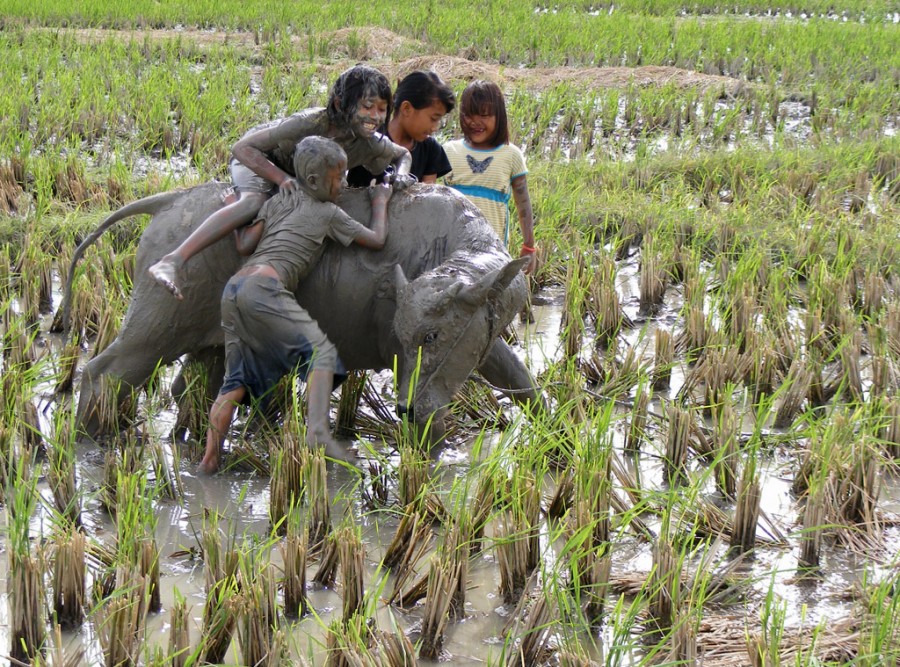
x: 715, y: 324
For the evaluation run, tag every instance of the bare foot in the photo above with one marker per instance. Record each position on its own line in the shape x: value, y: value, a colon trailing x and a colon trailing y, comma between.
x: 208, y: 466
x: 165, y: 273
x: 229, y: 196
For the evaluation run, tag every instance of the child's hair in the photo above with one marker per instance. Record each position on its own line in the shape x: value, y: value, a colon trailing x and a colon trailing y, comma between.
x: 353, y: 86
x: 422, y: 88
x: 314, y: 155
x: 484, y: 98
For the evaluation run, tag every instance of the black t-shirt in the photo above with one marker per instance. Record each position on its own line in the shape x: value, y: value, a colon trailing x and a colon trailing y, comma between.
x: 428, y: 157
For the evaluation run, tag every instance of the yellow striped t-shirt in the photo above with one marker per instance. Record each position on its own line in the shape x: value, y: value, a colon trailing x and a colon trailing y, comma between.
x: 485, y: 177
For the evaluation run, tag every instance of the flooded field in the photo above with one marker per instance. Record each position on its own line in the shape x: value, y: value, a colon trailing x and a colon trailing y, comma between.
x: 715, y: 329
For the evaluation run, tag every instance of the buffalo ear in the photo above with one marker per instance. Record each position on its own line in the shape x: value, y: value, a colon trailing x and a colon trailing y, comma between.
x: 400, y: 280
x: 493, y: 283
x: 389, y: 289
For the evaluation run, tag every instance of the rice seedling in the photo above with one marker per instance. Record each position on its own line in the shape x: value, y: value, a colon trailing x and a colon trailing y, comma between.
x: 889, y: 433
x: 813, y: 519
x: 412, y: 476
x: 883, y: 370
x: 410, y: 541
x: 878, y: 641
x: 351, y: 554
x: 179, y: 633
x: 61, y: 467
x: 874, y: 293
x: 192, y: 400
x: 135, y: 526
x: 532, y: 640
x: 518, y: 544
x: 693, y: 338
x: 220, y: 609
x: 859, y: 486
x: 746, y: 515
x: 765, y: 648
x: 257, y: 616
x: 443, y: 576
x: 793, y: 393
x: 24, y: 589
x: 664, y: 592
x: 351, y: 393
x: 850, y: 353
x: 760, y: 363
x: 115, y: 406
x: 725, y: 444
x: 286, y: 483
x: 664, y: 358
x: 455, y: 547
x: 572, y: 323
x: 68, y: 578
x: 605, y: 308
x: 589, y: 545
x: 329, y: 559
x: 120, y: 619
x: 294, y: 552
x: 347, y: 643
x: 68, y: 363
x: 677, y: 442
x: 316, y: 485
x: 720, y: 369
x: 58, y: 654
x: 563, y: 495
x: 653, y: 279
x: 394, y: 648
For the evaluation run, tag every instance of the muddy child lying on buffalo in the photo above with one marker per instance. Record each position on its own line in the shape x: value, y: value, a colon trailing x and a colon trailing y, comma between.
x: 359, y: 102
x: 267, y: 333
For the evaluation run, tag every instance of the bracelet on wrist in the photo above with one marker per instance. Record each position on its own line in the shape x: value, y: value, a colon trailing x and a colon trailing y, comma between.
x: 527, y: 249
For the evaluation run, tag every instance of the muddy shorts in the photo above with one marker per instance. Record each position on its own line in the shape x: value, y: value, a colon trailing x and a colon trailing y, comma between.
x: 267, y: 335
x: 247, y: 180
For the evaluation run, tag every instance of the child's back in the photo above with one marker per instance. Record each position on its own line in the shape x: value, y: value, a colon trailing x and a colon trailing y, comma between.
x: 294, y: 236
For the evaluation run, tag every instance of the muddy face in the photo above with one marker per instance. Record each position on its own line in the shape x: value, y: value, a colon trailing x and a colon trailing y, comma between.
x: 370, y: 115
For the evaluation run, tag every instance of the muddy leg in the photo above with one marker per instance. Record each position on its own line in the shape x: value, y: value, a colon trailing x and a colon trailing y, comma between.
x: 220, y: 416
x: 217, y: 226
x: 318, y: 429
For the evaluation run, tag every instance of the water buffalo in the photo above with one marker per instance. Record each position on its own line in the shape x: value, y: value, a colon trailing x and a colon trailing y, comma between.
x: 443, y: 284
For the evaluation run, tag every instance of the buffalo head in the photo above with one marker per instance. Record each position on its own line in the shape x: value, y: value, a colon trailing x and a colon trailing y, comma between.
x: 446, y: 322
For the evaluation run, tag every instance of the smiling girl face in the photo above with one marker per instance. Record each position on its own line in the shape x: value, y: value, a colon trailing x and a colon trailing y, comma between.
x: 369, y: 117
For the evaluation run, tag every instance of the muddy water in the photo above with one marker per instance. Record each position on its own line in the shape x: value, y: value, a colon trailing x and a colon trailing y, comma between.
x: 478, y: 639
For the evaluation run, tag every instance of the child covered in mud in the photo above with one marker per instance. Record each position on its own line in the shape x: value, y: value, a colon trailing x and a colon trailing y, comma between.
x: 421, y: 101
x: 267, y: 333
x: 358, y: 104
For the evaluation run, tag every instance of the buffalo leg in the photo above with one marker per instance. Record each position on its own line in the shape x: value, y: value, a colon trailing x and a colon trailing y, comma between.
x: 503, y: 369
x: 129, y: 369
